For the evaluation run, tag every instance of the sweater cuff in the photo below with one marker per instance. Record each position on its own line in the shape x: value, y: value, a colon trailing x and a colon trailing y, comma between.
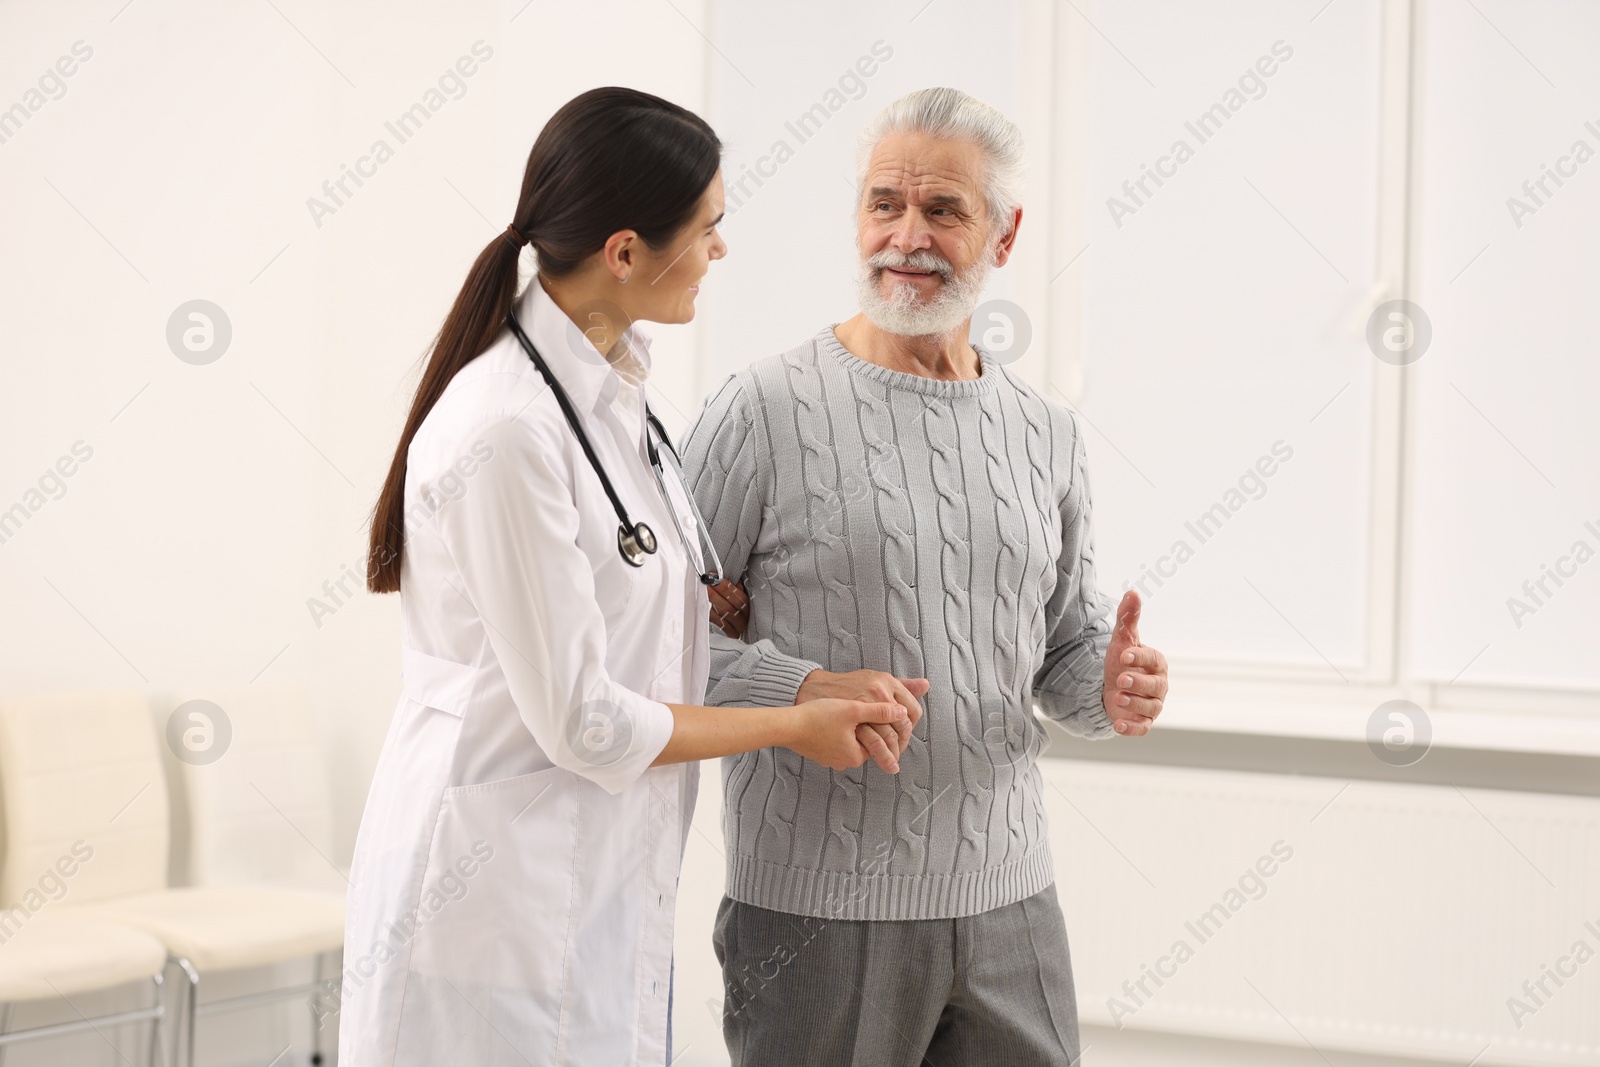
x: 1091, y: 722
x: 777, y: 677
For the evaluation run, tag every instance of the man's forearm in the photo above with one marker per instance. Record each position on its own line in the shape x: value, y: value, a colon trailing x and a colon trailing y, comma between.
x: 1070, y: 685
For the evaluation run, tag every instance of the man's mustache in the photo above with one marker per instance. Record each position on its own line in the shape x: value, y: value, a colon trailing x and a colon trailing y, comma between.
x: 921, y: 259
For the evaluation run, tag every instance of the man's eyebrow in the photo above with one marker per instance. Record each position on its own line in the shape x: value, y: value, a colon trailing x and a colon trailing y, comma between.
x: 935, y: 200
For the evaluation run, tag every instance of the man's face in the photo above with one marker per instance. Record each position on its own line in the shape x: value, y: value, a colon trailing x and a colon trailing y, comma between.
x: 923, y: 233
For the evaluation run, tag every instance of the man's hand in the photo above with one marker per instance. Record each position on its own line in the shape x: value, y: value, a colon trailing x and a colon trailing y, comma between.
x: 1136, y: 675
x: 872, y: 687
x: 730, y: 607
x: 830, y: 733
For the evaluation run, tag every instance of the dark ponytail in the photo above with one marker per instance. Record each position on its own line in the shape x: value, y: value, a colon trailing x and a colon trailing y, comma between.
x: 611, y: 159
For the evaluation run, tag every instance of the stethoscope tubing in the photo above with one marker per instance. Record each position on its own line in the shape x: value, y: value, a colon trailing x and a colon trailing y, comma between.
x: 714, y: 575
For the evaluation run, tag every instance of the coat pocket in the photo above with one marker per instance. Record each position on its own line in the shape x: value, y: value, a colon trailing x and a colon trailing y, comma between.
x: 490, y: 950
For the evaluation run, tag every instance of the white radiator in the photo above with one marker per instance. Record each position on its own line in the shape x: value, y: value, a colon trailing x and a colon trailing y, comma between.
x: 1410, y: 920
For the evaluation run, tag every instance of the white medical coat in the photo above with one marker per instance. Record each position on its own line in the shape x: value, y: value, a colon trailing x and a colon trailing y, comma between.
x: 515, y: 873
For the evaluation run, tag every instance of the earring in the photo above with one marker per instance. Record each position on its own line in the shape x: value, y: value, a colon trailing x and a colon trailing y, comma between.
x: 624, y: 279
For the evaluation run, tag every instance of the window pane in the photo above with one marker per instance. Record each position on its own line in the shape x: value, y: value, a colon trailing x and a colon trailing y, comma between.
x: 1506, y: 510
x: 1231, y: 225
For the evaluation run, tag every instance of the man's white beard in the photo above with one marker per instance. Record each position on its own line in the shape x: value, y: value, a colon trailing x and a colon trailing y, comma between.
x: 903, y: 312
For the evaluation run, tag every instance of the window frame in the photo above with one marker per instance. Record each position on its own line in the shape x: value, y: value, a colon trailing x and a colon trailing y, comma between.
x: 1258, y: 697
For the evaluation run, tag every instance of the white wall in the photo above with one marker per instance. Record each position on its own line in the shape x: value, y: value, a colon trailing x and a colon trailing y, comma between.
x: 218, y: 499
x: 177, y: 161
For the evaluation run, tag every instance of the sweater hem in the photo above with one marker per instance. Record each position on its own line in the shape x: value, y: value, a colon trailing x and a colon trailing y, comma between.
x: 887, y: 897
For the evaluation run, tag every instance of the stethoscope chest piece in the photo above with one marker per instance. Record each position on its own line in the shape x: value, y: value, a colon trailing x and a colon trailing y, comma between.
x: 636, y: 543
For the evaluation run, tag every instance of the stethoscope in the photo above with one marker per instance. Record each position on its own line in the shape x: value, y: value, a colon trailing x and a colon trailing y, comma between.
x: 635, y: 540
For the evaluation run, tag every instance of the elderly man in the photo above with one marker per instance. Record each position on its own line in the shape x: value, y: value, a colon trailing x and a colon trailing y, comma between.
x: 911, y: 522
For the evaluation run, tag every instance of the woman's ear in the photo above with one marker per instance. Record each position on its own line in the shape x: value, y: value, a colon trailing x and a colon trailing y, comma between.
x: 621, y: 254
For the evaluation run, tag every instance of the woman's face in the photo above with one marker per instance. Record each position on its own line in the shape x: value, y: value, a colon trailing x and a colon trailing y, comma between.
x: 663, y: 283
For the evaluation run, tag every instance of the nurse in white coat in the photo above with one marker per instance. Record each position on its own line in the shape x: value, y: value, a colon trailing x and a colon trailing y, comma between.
x: 516, y: 869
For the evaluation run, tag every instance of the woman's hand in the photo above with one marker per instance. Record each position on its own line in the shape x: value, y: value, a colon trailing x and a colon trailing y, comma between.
x: 823, y: 731
x: 826, y: 733
x: 730, y: 607
x: 873, y: 687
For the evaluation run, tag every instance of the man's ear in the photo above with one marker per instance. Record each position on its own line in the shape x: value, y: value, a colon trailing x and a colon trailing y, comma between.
x: 1002, y: 251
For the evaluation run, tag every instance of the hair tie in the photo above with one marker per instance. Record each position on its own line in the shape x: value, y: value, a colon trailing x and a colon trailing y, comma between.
x: 516, y: 237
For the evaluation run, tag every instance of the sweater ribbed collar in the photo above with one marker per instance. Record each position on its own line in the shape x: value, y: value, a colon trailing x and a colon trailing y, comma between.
x: 989, y: 371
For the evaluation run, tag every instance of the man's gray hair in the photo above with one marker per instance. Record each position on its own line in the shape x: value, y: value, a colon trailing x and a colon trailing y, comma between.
x: 951, y: 113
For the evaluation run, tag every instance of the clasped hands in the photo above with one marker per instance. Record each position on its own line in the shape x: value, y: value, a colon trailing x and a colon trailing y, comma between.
x: 1133, y: 689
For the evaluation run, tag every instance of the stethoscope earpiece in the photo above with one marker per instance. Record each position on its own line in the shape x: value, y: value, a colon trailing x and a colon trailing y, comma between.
x: 636, y: 543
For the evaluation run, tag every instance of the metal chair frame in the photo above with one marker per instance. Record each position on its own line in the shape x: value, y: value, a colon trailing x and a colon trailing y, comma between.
x: 153, y: 1014
x: 192, y: 1009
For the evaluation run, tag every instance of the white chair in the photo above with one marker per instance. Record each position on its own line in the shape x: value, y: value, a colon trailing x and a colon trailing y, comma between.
x: 56, y: 957
x: 205, y: 928
x: 258, y: 815
x: 71, y: 836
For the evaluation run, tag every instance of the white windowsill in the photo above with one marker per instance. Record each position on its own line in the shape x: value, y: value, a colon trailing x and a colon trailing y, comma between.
x: 1452, y: 728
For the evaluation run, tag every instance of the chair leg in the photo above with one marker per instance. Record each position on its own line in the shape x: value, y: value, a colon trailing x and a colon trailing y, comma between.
x: 159, y: 981
x: 338, y: 971
x: 5, y: 1028
x: 316, y: 1018
x: 188, y: 1014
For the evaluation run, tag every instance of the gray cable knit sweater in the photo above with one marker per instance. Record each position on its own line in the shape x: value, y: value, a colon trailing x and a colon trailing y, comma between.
x: 933, y: 529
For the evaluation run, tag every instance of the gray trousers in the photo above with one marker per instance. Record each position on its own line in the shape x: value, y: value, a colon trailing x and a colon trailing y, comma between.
x: 984, y: 989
